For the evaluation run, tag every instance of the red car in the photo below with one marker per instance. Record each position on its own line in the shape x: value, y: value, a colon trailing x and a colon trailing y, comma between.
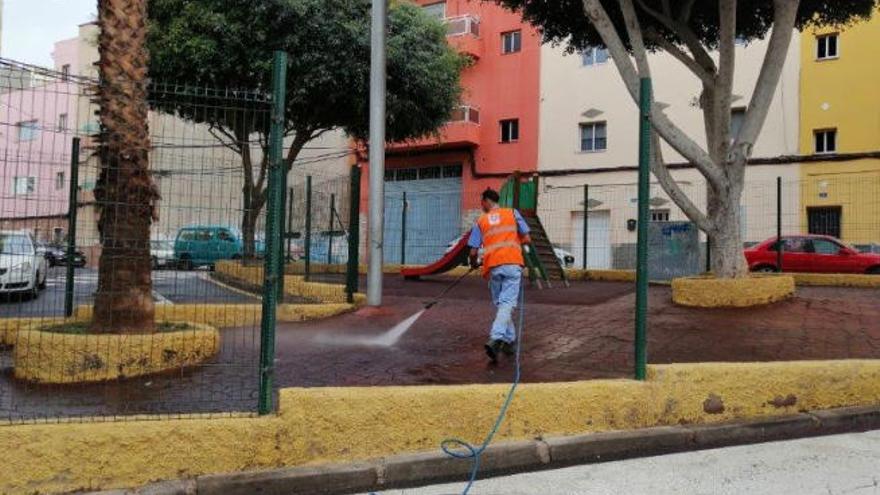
x: 811, y: 253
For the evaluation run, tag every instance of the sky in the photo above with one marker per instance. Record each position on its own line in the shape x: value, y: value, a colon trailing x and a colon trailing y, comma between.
x: 31, y: 27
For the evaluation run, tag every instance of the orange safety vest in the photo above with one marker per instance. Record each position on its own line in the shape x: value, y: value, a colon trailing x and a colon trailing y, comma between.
x: 501, y: 244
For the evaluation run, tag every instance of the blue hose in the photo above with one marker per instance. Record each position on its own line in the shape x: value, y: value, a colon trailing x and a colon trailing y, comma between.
x: 460, y: 449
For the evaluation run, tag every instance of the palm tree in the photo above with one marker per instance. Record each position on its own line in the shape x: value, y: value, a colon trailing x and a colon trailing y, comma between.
x: 125, y: 191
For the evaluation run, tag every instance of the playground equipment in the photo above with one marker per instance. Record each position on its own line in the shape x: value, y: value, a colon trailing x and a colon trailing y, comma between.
x: 541, y: 261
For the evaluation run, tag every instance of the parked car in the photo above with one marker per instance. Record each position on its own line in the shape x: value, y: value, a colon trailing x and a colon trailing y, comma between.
x: 811, y: 253
x: 162, y: 254
x: 22, y: 268
x: 57, y: 255
x: 206, y: 245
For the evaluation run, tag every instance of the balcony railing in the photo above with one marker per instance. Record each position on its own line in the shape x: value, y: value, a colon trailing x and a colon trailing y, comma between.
x: 462, y: 25
x: 465, y: 113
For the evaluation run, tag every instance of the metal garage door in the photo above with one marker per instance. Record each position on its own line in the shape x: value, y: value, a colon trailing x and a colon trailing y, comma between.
x: 598, y: 239
x: 433, y: 215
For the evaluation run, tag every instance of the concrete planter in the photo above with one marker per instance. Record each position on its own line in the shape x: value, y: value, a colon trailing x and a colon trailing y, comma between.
x: 707, y: 292
x: 55, y: 358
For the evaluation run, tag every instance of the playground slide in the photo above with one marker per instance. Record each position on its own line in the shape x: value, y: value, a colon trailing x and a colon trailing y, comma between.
x: 455, y: 257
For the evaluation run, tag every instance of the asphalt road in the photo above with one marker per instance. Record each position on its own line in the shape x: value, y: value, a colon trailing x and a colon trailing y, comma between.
x: 169, y: 287
x: 833, y: 465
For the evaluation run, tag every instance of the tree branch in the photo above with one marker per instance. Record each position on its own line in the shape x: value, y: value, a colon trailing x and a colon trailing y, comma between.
x: 686, y: 34
x: 670, y: 133
x: 679, y: 54
x: 673, y: 190
x: 722, y: 93
x: 232, y: 142
x: 784, y: 16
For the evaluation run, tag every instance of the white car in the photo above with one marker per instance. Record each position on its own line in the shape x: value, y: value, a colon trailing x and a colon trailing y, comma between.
x: 22, y: 268
x: 162, y: 254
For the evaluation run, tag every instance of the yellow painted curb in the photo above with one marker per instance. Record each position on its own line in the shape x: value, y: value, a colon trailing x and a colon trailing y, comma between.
x: 9, y: 327
x: 602, y: 275
x: 710, y: 292
x: 294, y: 285
x: 837, y: 280
x: 46, y: 357
x: 348, y: 424
x: 236, y: 315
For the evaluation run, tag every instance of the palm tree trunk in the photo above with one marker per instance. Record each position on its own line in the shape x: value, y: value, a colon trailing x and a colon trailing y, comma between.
x: 125, y: 191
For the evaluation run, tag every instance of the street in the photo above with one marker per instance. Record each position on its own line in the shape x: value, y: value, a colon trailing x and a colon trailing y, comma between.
x: 833, y: 465
x: 169, y: 287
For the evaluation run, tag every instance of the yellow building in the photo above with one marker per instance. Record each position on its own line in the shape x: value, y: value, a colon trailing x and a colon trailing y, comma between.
x: 840, y: 132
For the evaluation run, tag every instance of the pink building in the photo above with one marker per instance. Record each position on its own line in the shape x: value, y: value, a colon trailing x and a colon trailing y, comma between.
x: 37, y: 126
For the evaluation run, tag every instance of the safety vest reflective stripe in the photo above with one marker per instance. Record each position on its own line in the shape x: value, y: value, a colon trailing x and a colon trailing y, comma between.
x: 499, y: 245
x: 501, y: 230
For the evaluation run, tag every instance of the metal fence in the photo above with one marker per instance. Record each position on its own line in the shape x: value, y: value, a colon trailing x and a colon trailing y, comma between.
x: 54, y: 363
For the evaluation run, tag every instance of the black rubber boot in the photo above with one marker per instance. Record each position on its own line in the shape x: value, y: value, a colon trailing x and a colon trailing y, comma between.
x: 493, y: 347
x: 508, y: 349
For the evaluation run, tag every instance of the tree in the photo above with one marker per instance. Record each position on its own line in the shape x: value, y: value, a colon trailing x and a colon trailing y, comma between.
x: 691, y: 31
x: 125, y: 191
x: 228, y: 43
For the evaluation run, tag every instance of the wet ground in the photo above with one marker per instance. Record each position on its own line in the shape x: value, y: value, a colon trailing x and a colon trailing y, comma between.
x: 581, y: 332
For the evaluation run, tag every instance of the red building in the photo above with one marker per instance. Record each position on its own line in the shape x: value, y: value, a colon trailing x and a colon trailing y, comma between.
x: 493, y: 133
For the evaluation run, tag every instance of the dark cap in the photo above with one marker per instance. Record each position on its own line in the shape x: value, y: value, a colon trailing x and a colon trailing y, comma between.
x: 491, y: 195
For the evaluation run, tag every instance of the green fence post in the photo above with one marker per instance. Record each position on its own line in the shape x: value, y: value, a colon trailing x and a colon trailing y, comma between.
x: 586, y: 222
x: 275, y: 190
x: 282, y: 231
x: 307, y: 243
x: 403, y: 232
x: 354, y: 226
x: 289, y: 223
x: 708, y: 253
x: 330, y: 231
x: 641, y: 344
x: 72, y: 198
x: 779, y: 244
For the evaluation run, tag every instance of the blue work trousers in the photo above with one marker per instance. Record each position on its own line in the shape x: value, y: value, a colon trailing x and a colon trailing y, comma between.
x: 504, y: 282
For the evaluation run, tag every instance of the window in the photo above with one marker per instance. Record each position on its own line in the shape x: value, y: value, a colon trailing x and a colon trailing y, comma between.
x: 437, y: 10
x: 594, y: 56
x: 28, y: 131
x: 824, y: 220
x: 826, y: 140
x: 65, y: 72
x: 659, y: 215
x: 826, y: 46
x: 793, y: 245
x: 62, y: 122
x: 59, y: 181
x: 452, y: 171
x: 824, y: 246
x: 511, y: 42
x: 510, y: 131
x: 23, y: 186
x: 737, y: 116
x: 465, y: 114
x: 430, y: 173
x: 225, y: 236
x: 593, y: 137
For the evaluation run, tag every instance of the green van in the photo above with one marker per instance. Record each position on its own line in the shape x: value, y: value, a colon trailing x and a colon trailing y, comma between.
x: 205, y: 245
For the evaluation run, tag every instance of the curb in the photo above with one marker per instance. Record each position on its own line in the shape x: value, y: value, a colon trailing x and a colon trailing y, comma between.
x: 410, y: 470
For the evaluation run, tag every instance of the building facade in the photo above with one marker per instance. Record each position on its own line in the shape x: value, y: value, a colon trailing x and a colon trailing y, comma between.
x: 589, y: 137
x: 840, y: 133
x: 492, y: 134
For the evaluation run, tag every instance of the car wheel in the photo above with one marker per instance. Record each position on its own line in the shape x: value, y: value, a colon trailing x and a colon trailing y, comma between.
x: 765, y: 269
x: 41, y: 284
x: 874, y: 270
x: 185, y: 264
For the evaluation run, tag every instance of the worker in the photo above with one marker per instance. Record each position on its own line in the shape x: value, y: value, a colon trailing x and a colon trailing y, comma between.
x: 501, y: 232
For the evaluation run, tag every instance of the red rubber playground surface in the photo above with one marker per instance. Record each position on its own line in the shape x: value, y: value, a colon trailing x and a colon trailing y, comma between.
x: 581, y: 332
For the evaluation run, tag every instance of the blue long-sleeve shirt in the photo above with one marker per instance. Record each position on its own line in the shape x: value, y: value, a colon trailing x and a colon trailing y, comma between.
x: 476, y: 238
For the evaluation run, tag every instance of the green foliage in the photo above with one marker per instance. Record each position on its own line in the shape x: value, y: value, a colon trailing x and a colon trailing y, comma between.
x: 564, y: 21
x: 229, y: 44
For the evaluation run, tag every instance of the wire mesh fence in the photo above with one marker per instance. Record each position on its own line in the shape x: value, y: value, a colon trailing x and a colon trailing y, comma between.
x: 203, y: 255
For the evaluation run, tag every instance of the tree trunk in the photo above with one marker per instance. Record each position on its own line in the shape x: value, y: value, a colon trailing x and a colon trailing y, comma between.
x: 125, y: 192
x: 248, y: 230
x: 725, y: 239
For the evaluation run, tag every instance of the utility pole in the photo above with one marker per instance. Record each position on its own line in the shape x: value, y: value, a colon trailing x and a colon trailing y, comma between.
x: 377, y: 150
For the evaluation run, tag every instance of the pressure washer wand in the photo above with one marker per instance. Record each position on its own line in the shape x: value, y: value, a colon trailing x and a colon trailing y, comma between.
x: 437, y: 299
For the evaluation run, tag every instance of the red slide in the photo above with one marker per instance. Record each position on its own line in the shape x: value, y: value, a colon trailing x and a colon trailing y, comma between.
x: 455, y: 257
